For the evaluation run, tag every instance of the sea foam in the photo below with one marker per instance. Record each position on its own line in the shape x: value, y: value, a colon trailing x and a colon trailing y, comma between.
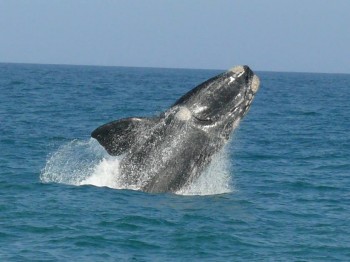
x: 85, y: 162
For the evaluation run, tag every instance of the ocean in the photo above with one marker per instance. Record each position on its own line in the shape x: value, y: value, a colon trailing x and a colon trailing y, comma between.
x: 280, y: 190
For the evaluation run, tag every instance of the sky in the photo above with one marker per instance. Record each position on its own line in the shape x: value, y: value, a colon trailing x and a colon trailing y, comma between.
x: 267, y: 35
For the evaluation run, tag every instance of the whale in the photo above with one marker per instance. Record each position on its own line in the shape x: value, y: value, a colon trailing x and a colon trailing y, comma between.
x: 167, y: 152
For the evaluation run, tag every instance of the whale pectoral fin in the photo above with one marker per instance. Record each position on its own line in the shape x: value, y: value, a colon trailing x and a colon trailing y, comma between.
x: 117, y: 136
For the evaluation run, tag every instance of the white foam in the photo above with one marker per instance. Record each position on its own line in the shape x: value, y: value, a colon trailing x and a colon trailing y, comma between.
x: 216, y: 179
x: 73, y: 162
x: 104, y: 174
x: 87, y: 163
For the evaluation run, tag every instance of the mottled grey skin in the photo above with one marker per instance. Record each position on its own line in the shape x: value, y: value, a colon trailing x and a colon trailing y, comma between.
x: 165, y: 153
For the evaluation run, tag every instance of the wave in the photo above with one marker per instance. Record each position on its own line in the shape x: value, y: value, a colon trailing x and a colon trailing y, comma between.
x: 85, y: 162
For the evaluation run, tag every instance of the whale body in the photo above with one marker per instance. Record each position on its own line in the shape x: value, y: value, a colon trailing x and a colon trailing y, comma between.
x: 167, y: 152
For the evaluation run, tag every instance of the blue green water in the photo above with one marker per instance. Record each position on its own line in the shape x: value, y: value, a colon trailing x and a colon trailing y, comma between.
x: 281, y: 191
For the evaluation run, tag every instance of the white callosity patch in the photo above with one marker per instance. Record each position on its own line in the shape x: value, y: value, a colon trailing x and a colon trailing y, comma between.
x: 255, y: 84
x: 238, y: 70
x: 231, y: 79
x: 183, y: 114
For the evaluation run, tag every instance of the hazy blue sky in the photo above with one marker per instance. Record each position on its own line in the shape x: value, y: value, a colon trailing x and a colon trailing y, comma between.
x: 273, y: 35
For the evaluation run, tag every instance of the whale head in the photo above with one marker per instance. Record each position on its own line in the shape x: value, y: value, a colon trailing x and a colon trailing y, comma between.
x: 220, y: 102
x: 215, y: 106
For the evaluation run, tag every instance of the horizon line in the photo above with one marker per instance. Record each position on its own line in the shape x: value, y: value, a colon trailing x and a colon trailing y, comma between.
x: 159, y: 67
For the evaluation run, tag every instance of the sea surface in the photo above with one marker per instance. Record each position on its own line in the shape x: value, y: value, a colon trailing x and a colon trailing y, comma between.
x: 280, y: 190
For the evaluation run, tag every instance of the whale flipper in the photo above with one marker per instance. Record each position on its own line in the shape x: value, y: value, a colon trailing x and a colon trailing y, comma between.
x: 117, y: 136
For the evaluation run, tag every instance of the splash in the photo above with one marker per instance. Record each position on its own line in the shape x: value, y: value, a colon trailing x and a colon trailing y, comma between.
x: 82, y: 163
x: 85, y: 162
x: 216, y: 179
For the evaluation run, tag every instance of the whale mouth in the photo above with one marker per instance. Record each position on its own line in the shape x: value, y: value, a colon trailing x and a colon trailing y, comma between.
x: 207, y: 121
x: 184, y: 114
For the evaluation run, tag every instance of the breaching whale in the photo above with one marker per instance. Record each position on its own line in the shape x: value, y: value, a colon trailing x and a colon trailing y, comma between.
x: 167, y: 152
